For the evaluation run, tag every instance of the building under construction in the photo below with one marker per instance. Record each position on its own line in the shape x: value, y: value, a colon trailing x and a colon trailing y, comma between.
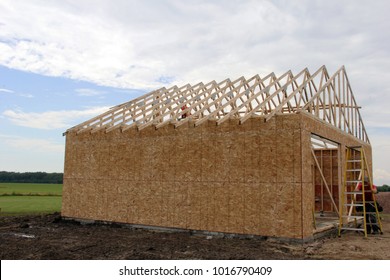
x: 261, y: 156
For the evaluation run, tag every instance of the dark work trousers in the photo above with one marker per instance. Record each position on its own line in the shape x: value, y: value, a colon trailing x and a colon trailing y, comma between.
x: 371, y: 218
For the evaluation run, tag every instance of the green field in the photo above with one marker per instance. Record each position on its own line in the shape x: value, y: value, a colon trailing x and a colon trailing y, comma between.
x: 23, y: 198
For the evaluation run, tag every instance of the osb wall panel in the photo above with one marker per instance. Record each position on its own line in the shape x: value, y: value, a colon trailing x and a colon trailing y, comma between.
x: 229, y: 178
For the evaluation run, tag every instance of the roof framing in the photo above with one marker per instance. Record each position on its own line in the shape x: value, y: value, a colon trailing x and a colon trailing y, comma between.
x: 327, y: 98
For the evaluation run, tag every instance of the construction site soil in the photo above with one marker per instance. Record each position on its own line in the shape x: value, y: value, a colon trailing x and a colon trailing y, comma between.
x: 50, y: 237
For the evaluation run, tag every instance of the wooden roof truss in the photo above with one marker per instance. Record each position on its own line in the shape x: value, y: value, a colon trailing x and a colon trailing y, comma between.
x: 328, y: 98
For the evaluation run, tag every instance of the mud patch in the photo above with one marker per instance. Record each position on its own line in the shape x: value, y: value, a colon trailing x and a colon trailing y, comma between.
x: 50, y: 237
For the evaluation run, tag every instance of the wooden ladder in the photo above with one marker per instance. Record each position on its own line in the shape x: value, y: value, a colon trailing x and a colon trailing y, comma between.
x: 356, y: 213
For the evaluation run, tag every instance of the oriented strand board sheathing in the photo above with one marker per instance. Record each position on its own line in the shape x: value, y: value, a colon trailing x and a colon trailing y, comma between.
x: 285, y: 164
x: 194, y: 159
x: 254, y: 178
x: 182, y: 206
x: 306, y: 156
x: 222, y: 148
x: 167, y: 204
x: 122, y: 200
x: 113, y: 204
x: 307, y: 209
x: 236, y: 207
x: 101, y: 194
x: 143, y: 203
x: 251, y: 208
x: 208, y: 205
x: 251, y: 157
x: 268, y: 156
x: 297, y: 211
x: 282, y: 210
x: 195, y: 206
x: 221, y: 210
x: 237, y: 158
x: 269, y: 209
x: 297, y: 148
x: 209, y: 154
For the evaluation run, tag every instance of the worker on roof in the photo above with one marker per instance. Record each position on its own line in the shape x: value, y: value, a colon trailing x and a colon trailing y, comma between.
x: 186, y: 114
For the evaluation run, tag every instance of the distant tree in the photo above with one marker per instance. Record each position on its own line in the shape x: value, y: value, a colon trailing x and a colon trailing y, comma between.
x: 384, y: 188
x: 31, y: 177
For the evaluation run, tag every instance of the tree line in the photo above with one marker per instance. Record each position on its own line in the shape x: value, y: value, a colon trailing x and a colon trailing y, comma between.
x: 384, y: 188
x: 31, y: 177
x: 57, y: 178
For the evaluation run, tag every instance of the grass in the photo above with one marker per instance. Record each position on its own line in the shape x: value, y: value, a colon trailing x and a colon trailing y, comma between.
x: 24, y: 205
x: 24, y: 198
x: 28, y: 189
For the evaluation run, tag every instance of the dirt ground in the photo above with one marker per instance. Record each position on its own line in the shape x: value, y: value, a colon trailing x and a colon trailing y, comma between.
x: 383, y: 199
x: 50, y: 237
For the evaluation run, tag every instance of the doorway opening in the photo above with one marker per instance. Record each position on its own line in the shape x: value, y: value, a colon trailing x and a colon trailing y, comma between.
x: 326, y: 170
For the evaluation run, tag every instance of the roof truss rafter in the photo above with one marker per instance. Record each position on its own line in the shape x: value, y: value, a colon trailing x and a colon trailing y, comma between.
x: 328, y: 98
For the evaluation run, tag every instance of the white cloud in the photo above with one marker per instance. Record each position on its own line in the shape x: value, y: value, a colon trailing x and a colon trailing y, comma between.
x: 27, y: 95
x: 380, y: 119
x: 132, y: 44
x: 51, y: 119
x: 89, y: 92
x: 34, y: 144
x: 6, y: 90
x: 381, y: 176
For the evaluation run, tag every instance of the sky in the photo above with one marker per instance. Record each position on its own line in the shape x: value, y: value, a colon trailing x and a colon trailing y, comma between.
x: 63, y: 62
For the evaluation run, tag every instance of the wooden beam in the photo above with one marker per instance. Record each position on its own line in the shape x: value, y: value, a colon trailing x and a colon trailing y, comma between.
x: 245, y: 103
x: 270, y: 97
x: 329, y: 99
